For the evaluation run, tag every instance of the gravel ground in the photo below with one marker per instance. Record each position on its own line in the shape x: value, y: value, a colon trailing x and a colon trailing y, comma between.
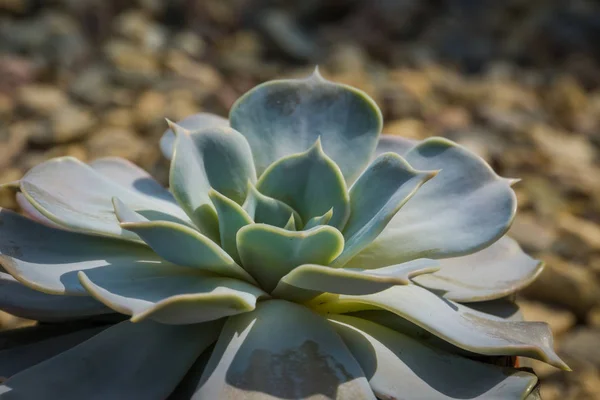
x: 517, y: 81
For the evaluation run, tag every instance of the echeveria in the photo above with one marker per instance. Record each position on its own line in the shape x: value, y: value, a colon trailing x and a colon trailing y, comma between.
x: 298, y: 253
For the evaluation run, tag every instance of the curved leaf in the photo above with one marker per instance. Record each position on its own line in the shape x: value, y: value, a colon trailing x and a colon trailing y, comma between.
x: 192, y: 123
x: 395, y: 144
x: 464, y: 209
x: 267, y: 210
x: 308, y: 361
x: 492, y: 273
x: 169, y: 295
x: 463, y: 327
x: 17, y: 299
x: 383, y: 188
x: 319, y: 220
x: 268, y: 253
x: 310, y: 183
x: 74, y: 195
x: 48, y: 259
x: 232, y: 217
x: 33, y: 213
x: 353, y: 281
x: 19, y: 358
x: 181, y: 245
x: 218, y: 158
x: 127, y: 361
x: 284, y: 117
x: 395, y: 365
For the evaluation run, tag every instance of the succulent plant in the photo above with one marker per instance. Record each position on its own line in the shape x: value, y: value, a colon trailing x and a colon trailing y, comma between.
x: 297, y: 254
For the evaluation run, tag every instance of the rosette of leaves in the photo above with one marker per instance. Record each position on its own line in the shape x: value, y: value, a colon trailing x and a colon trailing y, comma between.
x: 297, y: 254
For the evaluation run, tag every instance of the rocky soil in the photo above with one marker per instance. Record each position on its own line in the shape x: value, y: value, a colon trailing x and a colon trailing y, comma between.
x: 517, y: 81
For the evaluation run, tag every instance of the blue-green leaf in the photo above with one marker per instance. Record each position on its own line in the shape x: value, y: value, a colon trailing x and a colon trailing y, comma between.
x: 268, y: 253
x: 218, y: 158
x: 48, y: 259
x: 193, y: 123
x: 169, y: 294
x: 311, y: 183
x: 465, y: 208
x: 284, y: 117
x: 461, y: 326
x: 396, y: 364
x: 181, y: 245
x: 126, y: 361
x: 353, y: 281
x: 232, y: 217
x: 76, y: 196
x: 319, y: 220
x: 307, y: 360
x: 492, y: 273
x: 267, y: 210
x: 17, y: 299
x: 385, y: 186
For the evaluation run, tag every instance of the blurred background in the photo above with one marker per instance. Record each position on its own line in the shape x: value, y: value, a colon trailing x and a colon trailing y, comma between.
x: 517, y: 81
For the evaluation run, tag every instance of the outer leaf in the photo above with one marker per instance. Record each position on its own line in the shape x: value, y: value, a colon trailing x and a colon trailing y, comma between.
x: 268, y: 253
x: 464, y: 209
x: 232, y: 217
x: 193, y: 123
x: 395, y: 144
x: 169, y: 295
x: 492, y: 273
x: 284, y: 117
x: 308, y: 361
x: 311, y: 183
x: 267, y: 210
x: 47, y: 259
x: 181, y: 245
x: 19, y: 300
x: 461, y: 326
x: 116, y: 364
x: 396, y: 365
x: 385, y: 186
x: 74, y: 195
x: 132, y: 177
x: 17, y: 359
x: 353, y: 281
x: 214, y: 157
x: 33, y: 213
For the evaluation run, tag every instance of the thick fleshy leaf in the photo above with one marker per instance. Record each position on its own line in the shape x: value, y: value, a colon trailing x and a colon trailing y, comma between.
x: 385, y: 186
x: 396, y: 364
x: 132, y: 177
x: 19, y: 300
x: 268, y: 253
x: 181, y: 245
x: 192, y: 123
x: 461, y: 326
x: 284, y: 117
x: 218, y: 158
x: 319, y: 220
x: 170, y: 294
x: 19, y: 358
x: 504, y: 309
x: 492, y: 273
x: 127, y: 361
x: 267, y: 210
x: 464, y: 209
x: 47, y: 259
x: 310, y: 183
x: 353, y: 281
x: 232, y: 217
x: 307, y: 360
x: 73, y: 194
x: 33, y: 213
